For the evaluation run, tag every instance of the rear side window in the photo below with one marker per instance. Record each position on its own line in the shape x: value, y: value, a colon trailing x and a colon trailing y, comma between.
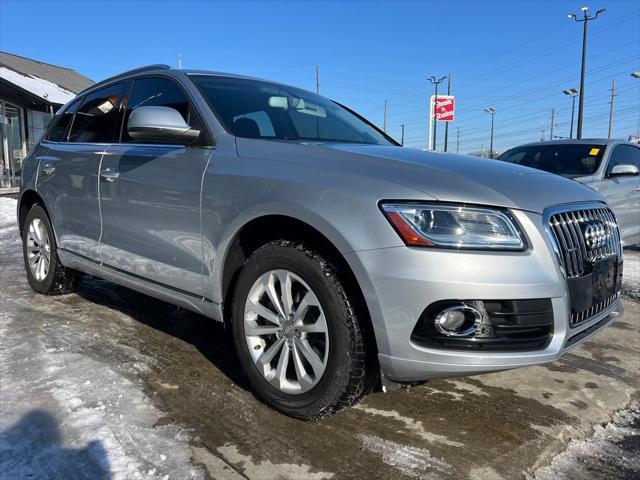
x: 157, y: 92
x: 97, y: 119
x: 60, y: 124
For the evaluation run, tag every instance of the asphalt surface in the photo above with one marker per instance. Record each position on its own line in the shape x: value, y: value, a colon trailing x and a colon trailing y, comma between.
x: 109, y: 383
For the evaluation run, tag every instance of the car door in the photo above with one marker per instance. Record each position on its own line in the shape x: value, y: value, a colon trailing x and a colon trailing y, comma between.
x: 623, y: 192
x: 68, y: 172
x: 150, y: 197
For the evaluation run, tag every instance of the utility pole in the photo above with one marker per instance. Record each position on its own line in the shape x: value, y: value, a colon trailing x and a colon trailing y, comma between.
x: 432, y: 109
x: 585, y: 20
x: 446, y: 124
x: 553, y: 119
x: 318, y: 79
x: 384, y: 128
x: 402, y: 136
x: 458, y: 141
x: 613, y: 94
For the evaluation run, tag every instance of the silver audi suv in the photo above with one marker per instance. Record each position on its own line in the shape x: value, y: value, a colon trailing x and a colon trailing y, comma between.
x: 338, y: 260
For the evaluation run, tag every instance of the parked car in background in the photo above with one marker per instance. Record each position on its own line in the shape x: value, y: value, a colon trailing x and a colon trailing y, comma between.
x: 336, y: 257
x: 611, y: 167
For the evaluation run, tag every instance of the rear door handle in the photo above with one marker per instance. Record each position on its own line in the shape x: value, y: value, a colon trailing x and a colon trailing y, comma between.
x: 109, y: 174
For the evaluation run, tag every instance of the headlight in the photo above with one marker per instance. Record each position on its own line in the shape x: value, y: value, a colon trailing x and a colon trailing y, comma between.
x: 451, y: 226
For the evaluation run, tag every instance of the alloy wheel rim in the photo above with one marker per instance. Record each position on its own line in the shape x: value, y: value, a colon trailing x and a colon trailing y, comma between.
x: 38, y: 249
x: 286, y: 331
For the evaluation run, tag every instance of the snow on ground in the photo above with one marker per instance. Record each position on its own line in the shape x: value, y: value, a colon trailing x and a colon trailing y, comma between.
x: 608, y: 453
x: 65, y: 415
x: 631, y: 273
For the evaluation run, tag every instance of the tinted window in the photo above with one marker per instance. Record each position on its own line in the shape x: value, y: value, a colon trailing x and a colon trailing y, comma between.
x: 244, y: 104
x: 624, y: 154
x: 60, y: 124
x: 158, y: 92
x: 561, y: 159
x: 96, y: 121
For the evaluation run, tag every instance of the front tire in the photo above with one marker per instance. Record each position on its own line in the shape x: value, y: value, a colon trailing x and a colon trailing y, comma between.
x: 45, y: 273
x: 296, y: 332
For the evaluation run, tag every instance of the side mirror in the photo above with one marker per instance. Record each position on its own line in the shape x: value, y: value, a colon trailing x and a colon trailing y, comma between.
x: 160, y: 124
x: 623, y: 170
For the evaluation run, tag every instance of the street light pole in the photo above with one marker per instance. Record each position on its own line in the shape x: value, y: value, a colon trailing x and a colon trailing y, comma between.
x: 491, y: 111
x: 586, y: 19
x: 446, y: 124
x: 572, y: 92
x: 435, y: 81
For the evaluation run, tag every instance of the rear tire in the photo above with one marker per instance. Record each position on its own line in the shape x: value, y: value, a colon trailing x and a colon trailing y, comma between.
x: 45, y: 273
x: 319, y: 326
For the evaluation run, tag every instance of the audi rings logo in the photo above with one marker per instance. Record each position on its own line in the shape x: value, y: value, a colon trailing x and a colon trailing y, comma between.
x: 596, y: 235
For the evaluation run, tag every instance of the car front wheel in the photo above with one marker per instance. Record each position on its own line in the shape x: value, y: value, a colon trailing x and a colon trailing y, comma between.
x: 296, y: 332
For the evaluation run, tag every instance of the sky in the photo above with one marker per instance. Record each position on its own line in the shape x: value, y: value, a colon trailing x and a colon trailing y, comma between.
x: 514, y: 56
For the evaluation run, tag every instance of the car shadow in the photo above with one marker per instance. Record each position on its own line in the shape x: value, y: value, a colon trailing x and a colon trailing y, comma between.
x: 32, y: 448
x: 208, y: 336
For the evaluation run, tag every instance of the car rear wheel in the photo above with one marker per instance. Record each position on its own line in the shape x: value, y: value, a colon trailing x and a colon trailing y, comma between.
x: 45, y: 273
x: 296, y: 332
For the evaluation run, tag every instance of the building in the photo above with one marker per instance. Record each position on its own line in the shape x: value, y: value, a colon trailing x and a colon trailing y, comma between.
x: 30, y: 93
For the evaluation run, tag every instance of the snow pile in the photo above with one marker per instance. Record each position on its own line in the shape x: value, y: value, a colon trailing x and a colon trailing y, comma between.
x: 610, y: 449
x: 8, y: 222
x: 631, y: 274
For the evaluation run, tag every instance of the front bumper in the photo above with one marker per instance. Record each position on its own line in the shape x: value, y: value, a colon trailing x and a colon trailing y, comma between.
x: 400, y: 282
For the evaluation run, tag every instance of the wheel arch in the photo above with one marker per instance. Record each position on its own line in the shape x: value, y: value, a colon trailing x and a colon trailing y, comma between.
x: 28, y: 199
x: 264, y: 229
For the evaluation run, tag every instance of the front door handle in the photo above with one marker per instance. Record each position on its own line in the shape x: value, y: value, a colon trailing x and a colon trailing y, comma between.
x: 110, y: 174
x: 48, y: 168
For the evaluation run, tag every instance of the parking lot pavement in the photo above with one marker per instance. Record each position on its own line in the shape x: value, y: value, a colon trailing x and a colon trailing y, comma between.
x: 109, y: 383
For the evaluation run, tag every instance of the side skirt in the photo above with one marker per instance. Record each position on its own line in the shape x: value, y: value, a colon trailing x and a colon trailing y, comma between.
x: 195, y: 303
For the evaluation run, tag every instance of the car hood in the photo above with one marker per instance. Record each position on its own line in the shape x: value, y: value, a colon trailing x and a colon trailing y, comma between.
x: 444, y: 177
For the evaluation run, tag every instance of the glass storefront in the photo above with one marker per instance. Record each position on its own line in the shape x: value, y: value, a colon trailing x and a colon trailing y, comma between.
x: 13, y: 148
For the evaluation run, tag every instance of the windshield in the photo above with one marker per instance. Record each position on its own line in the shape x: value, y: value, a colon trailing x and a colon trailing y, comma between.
x: 561, y: 159
x: 255, y: 109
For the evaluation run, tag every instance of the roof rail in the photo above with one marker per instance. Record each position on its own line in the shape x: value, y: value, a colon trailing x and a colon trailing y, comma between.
x: 159, y: 66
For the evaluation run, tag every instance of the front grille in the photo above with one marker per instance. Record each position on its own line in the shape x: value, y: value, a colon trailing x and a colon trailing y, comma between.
x: 568, y: 229
x: 583, y: 237
x: 578, y: 317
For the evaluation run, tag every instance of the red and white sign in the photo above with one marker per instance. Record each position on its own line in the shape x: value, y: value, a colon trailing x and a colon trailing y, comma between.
x: 444, y: 108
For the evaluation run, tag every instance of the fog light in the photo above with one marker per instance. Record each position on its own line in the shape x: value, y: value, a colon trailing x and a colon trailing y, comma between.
x: 458, y: 321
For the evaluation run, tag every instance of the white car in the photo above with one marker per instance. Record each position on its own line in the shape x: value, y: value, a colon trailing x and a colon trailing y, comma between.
x: 611, y: 167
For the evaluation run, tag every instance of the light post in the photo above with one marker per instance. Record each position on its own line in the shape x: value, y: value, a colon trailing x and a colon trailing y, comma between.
x: 585, y: 19
x: 571, y: 92
x: 435, y: 81
x: 491, y: 111
x: 635, y: 74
